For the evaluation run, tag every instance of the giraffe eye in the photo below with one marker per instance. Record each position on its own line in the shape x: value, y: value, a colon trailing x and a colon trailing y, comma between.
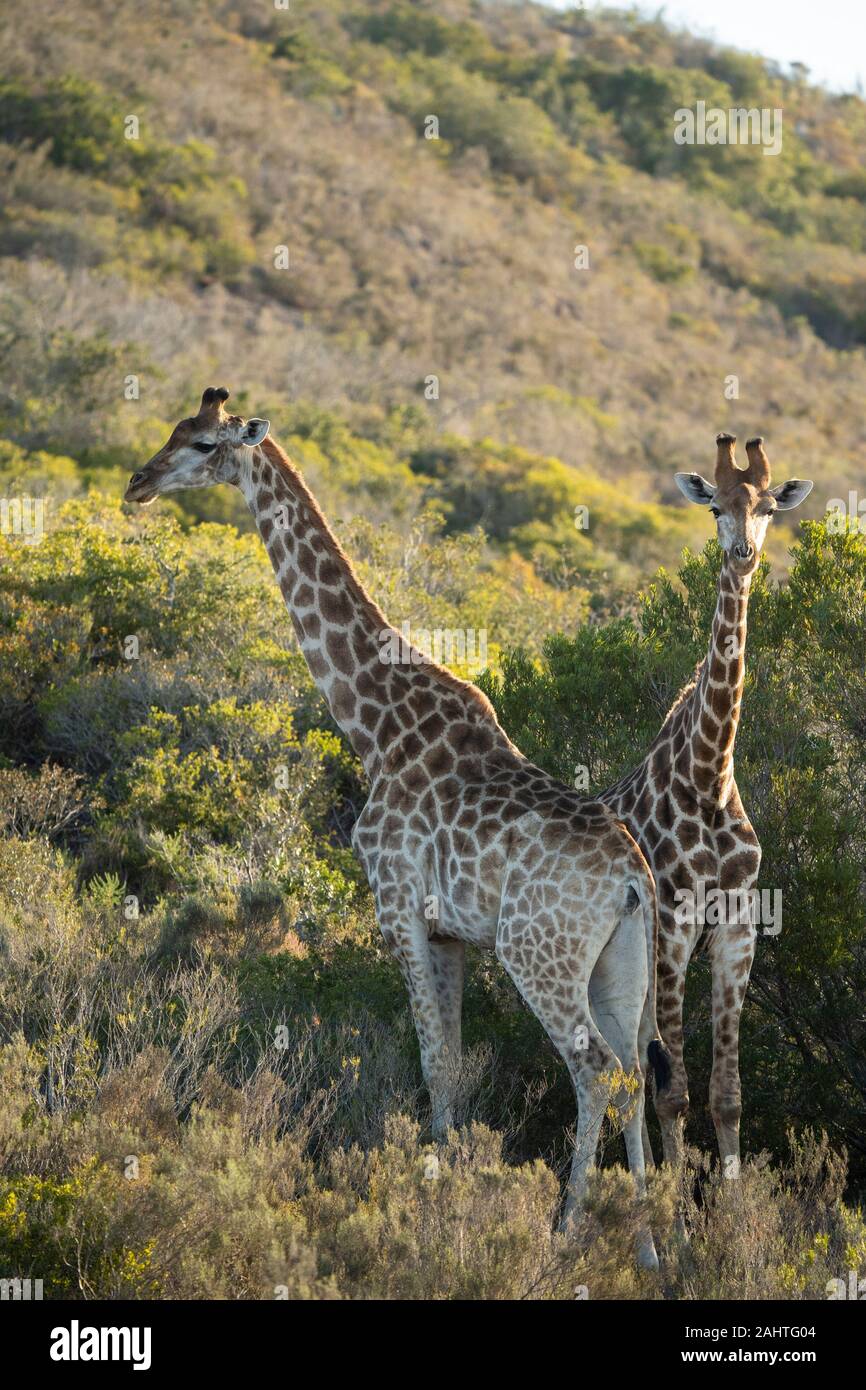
x: 203, y: 448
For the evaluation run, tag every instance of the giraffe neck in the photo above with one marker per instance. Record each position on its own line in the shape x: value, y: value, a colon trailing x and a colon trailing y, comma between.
x: 714, y: 706
x: 348, y: 643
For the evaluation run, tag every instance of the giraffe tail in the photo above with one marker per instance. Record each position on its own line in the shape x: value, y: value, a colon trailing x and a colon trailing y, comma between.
x: 643, y: 884
x: 659, y: 1059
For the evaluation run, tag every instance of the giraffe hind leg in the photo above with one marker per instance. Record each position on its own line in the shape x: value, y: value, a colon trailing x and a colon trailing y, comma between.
x: 618, y: 999
x: 562, y: 1004
x: 559, y: 998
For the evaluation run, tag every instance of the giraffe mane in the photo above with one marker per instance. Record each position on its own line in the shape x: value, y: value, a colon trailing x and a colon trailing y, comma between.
x: 280, y: 460
x: 293, y: 476
x: 680, y: 699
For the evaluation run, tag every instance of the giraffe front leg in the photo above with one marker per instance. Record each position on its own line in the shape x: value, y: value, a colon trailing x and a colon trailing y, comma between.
x: 732, y: 952
x: 406, y: 936
x: 448, y: 960
x: 731, y: 948
x: 672, y: 1105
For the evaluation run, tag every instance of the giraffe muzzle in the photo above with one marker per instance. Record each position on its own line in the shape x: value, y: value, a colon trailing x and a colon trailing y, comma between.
x: 140, y: 488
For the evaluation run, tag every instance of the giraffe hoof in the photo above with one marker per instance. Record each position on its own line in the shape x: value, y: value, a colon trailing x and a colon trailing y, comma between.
x: 647, y: 1256
x: 570, y: 1218
x: 681, y: 1230
x: 440, y: 1125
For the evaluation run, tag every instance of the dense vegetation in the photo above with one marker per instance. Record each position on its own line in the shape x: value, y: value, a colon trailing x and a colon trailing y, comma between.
x: 208, y: 1080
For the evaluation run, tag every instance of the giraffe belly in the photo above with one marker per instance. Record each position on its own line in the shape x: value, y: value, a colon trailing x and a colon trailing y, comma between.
x: 469, y: 901
x: 455, y: 892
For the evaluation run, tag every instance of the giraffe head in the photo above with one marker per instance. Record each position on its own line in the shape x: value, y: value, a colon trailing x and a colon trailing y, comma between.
x: 742, y: 500
x: 207, y: 448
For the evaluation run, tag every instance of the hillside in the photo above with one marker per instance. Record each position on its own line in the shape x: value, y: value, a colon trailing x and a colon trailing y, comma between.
x: 259, y: 129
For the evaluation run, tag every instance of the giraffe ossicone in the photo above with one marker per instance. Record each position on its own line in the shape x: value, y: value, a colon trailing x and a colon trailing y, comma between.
x: 515, y: 861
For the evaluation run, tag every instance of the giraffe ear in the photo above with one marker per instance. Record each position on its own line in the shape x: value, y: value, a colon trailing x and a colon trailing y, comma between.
x: 254, y: 431
x: 695, y: 488
x: 791, y: 494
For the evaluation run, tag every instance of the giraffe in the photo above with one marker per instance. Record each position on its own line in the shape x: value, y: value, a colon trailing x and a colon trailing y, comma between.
x: 682, y: 804
x: 462, y: 839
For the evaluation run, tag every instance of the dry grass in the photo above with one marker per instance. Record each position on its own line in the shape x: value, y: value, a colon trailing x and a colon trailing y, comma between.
x: 155, y: 1141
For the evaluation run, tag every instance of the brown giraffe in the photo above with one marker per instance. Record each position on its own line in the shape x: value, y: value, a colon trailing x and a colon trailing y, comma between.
x: 461, y: 838
x: 683, y: 808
